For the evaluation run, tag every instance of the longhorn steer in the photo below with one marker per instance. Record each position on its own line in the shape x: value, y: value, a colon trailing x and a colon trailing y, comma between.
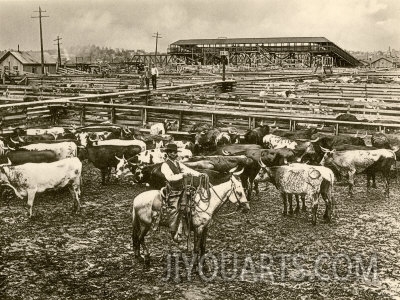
x: 62, y: 150
x: 302, y: 180
x: 348, y: 163
x: 20, y: 157
x: 298, y: 134
x: 155, y: 156
x: 281, y: 157
x: 255, y: 136
x: 30, y: 178
x: 218, y: 163
x: 106, y: 157
x: 152, y: 175
x: 119, y: 142
x: 161, y: 128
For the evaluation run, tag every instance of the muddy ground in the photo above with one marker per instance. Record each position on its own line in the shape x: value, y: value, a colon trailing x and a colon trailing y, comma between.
x: 60, y: 255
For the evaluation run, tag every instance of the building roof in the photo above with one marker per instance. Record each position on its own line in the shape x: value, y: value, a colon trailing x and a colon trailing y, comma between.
x: 385, y: 58
x: 252, y: 40
x: 30, y: 57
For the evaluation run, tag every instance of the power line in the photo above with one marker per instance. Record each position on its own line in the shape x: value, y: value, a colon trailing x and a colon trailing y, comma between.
x: 157, y: 36
x: 41, y: 35
x: 58, y: 50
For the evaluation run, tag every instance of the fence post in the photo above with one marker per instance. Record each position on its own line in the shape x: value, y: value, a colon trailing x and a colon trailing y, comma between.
x: 83, y: 115
x: 144, y: 116
x: 112, y: 116
x: 180, y: 120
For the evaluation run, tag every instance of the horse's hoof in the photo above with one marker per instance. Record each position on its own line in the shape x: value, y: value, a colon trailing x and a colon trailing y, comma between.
x: 146, y: 261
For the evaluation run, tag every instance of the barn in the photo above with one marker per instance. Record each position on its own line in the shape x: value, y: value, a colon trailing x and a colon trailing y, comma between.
x: 20, y: 62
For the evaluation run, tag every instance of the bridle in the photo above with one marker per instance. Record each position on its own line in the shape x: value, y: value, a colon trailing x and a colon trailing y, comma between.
x: 232, y: 190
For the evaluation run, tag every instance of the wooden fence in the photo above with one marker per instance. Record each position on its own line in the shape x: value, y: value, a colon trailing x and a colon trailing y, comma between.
x: 204, y: 102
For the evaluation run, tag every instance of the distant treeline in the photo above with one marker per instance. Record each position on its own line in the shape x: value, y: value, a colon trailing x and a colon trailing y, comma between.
x: 102, y: 54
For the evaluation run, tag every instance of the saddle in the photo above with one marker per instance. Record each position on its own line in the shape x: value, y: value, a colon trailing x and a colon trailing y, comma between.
x: 191, y: 186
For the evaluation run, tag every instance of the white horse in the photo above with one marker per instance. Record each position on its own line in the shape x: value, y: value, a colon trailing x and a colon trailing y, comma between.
x: 148, y: 204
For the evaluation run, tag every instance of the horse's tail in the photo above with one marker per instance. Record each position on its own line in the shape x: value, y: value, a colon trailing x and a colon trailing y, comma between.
x: 135, y: 230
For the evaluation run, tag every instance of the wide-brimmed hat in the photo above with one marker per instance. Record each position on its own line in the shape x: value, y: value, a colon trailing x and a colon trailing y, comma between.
x: 171, y: 148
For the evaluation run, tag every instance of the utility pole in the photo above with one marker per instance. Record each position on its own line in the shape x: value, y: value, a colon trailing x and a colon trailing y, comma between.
x: 157, y: 36
x: 58, y: 51
x: 41, y: 35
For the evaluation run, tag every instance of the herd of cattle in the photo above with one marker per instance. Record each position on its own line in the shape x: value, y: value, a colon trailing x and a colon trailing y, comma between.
x: 302, y: 163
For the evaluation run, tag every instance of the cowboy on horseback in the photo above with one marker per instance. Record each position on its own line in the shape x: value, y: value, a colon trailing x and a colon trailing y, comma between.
x: 175, y: 174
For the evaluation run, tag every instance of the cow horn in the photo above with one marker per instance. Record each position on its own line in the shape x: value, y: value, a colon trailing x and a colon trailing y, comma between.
x: 233, y: 170
x: 53, y: 134
x: 238, y: 172
x: 7, y: 164
x: 21, y: 139
x: 325, y: 150
x: 322, y: 127
x: 90, y: 139
x: 262, y: 165
x: 314, y: 141
x: 15, y: 142
x: 395, y: 148
x: 10, y: 148
x: 356, y: 135
x: 366, y: 134
x: 119, y: 158
x: 226, y: 153
x: 273, y: 124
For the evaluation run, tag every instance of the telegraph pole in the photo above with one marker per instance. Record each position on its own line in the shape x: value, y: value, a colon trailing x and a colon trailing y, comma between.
x: 157, y: 36
x: 41, y: 35
x: 59, y: 52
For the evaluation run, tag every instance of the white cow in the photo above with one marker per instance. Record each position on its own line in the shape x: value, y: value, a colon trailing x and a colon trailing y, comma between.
x: 272, y: 141
x: 40, y: 131
x: 31, y: 178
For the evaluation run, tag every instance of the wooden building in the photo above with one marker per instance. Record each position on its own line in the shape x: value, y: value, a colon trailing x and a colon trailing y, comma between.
x: 383, y: 62
x: 20, y: 62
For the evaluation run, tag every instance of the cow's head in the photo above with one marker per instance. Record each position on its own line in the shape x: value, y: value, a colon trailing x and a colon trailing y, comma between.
x: 264, y: 174
x: 127, y: 133
x: 82, y: 138
x: 169, y: 125
x: 124, y: 168
x: 328, y: 157
x: 277, y: 157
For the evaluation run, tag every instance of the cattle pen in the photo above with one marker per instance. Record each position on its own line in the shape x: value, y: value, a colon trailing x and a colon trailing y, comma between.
x: 262, y: 254
x: 251, y: 101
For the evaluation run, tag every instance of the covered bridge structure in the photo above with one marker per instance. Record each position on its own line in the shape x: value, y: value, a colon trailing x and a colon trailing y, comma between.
x: 283, y: 51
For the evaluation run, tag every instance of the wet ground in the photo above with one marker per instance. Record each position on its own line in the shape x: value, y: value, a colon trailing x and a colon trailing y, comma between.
x: 262, y: 254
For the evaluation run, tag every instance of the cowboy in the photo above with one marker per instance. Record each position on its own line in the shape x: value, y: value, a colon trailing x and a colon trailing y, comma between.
x: 174, y: 173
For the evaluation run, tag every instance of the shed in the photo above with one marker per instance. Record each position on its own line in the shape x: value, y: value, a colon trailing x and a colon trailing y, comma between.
x: 20, y: 62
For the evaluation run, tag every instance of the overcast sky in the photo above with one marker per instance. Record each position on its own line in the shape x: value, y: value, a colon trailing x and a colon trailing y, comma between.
x: 352, y: 24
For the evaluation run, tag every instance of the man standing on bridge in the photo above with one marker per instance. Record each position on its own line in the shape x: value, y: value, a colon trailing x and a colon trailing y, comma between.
x: 154, y: 75
x: 174, y: 173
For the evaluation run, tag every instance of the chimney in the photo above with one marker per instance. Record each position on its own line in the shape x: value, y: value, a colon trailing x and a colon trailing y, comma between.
x: 18, y: 47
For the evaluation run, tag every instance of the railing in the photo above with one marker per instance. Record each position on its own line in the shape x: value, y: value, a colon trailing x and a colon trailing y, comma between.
x: 191, y: 104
